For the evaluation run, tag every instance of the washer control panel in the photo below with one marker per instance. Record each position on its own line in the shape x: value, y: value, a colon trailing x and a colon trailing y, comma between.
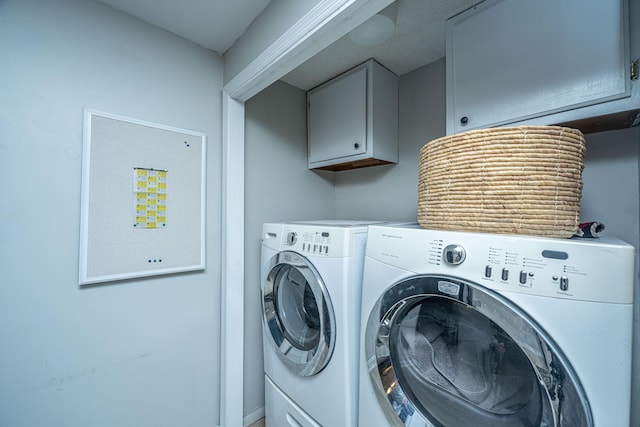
x: 314, y: 239
x: 317, y: 242
x: 584, y: 269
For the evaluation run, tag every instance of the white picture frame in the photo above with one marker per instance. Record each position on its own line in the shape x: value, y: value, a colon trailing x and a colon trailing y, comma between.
x: 143, y: 199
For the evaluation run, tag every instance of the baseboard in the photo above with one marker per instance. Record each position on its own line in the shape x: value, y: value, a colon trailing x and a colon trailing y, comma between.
x: 253, y: 417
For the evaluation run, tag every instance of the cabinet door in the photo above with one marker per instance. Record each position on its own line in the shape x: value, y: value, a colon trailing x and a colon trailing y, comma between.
x: 509, y: 60
x: 338, y: 117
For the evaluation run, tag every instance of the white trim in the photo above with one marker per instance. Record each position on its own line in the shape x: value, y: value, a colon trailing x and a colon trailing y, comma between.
x: 232, y: 292
x: 324, y: 24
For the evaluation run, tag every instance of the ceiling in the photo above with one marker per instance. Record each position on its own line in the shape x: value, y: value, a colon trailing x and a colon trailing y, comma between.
x: 216, y: 24
x: 418, y: 40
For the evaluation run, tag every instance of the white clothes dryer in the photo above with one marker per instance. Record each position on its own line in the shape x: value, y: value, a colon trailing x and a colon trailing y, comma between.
x: 311, y: 290
x: 469, y: 329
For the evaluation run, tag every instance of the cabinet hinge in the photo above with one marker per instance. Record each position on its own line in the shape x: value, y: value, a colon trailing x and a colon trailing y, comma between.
x: 635, y: 69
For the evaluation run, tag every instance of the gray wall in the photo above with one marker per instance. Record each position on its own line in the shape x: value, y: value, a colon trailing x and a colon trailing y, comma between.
x: 279, y: 187
x: 610, y: 176
x: 135, y: 353
x: 391, y: 192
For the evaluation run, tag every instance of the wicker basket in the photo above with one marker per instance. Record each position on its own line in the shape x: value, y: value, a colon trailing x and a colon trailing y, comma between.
x: 518, y: 180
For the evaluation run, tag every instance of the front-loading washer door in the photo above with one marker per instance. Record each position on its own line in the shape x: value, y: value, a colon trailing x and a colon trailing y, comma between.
x: 442, y: 351
x: 297, y: 313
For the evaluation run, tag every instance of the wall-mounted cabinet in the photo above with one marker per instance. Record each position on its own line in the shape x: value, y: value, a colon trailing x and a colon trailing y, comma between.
x: 538, y: 62
x: 353, y: 119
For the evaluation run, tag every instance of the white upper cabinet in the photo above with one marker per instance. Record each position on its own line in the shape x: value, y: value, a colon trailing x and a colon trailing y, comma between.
x: 353, y: 119
x: 538, y: 62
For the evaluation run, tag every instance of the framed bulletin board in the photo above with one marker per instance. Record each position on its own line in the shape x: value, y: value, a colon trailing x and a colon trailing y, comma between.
x: 143, y: 199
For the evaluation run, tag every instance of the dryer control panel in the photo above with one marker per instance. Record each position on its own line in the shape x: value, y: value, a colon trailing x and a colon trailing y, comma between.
x: 581, y: 269
x: 524, y: 268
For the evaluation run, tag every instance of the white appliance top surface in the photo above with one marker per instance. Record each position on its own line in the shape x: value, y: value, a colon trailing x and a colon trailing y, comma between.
x: 600, y: 270
x: 336, y: 223
x: 517, y: 239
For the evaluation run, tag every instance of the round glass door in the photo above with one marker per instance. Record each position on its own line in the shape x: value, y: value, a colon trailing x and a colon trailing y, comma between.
x: 298, y: 314
x: 446, y: 352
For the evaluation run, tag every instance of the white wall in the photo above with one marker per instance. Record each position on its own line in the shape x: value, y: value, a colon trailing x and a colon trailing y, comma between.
x: 135, y: 353
x: 279, y: 187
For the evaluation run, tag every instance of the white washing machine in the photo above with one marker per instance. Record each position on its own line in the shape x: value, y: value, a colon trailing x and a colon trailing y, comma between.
x: 311, y: 290
x: 484, y: 330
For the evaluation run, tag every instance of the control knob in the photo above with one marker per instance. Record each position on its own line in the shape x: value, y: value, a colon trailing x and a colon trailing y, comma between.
x: 454, y: 254
x: 292, y: 237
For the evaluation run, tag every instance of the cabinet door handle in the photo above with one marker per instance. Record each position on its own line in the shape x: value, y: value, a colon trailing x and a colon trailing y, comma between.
x: 356, y: 145
x: 464, y: 120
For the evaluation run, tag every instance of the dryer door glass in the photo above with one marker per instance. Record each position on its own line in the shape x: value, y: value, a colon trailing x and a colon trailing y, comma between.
x: 297, y: 309
x: 298, y: 314
x: 452, y: 353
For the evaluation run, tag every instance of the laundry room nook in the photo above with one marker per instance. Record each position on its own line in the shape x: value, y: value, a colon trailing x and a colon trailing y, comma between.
x: 279, y: 213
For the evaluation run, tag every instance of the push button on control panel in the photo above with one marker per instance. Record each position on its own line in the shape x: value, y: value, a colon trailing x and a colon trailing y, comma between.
x: 505, y: 274
x: 564, y: 283
x: 487, y: 271
x: 523, y: 277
